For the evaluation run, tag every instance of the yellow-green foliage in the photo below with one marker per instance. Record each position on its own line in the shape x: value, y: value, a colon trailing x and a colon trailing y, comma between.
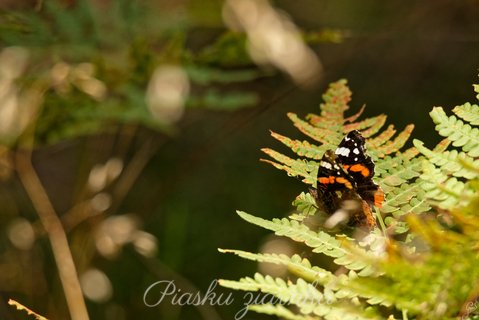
x: 397, y: 172
x: 431, y: 195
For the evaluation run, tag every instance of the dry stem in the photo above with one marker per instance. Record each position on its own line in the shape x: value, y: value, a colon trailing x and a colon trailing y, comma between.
x: 56, y: 235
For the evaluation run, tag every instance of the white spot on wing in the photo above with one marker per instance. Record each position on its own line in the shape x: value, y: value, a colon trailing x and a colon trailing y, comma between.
x: 325, y: 164
x: 356, y: 151
x: 343, y: 151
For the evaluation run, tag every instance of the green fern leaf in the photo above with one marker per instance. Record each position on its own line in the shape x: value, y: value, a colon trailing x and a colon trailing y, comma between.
x: 305, y: 205
x: 279, y: 311
x: 322, y: 135
x: 396, y: 144
x: 445, y: 192
x: 295, y: 168
x: 405, y: 199
x: 447, y: 160
x: 468, y: 112
x: 416, y: 276
x: 296, y: 265
x: 382, y: 138
x: 336, y: 100
x: 461, y: 134
x: 368, y: 127
x: 393, y: 172
x: 320, y: 242
x: 304, y: 295
x: 302, y: 148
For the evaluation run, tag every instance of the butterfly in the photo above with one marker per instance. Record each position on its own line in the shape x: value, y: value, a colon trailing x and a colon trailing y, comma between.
x: 345, y: 182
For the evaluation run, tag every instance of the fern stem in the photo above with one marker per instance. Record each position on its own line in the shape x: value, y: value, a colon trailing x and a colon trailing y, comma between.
x: 381, y: 222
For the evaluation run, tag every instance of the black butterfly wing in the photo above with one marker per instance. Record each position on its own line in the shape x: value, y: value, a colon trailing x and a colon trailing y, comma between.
x: 351, y: 154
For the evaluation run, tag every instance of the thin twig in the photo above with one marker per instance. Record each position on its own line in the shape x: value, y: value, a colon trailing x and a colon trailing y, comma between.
x: 56, y: 234
x: 133, y: 170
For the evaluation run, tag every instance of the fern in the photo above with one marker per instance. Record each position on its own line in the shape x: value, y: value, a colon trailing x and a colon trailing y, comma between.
x: 396, y: 172
x: 416, y: 278
x: 450, y: 174
x: 306, y: 297
x: 461, y: 134
x: 320, y: 242
x: 305, y: 205
x: 468, y: 112
x: 299, y: 266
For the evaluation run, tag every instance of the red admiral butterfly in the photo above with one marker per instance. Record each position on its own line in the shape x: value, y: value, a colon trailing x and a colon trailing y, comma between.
x: 345, y: 182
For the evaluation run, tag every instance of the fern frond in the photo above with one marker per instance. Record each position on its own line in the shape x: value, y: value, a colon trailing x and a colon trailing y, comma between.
x: 461, y: 134
x: 301, y: 293
x: 396, y: 144
x: 319, y: 134
x: 407, y: 198
x: 328, y: 129
x: 434, y: 285
x: 279, y: 311
x: 354, y: 117
x: 432, y: 273
x: 336, y: 100
x: 382, y: 138
x: 305, y: 205
x: 304, y: 295
x: 368, y: 127
x: 302, y: 148
x: 447, y: 160
x: 468, y: 112
x: 298, y: 266
x: 320, y: 242
x: 393, y: 172
x: 295, y: 168
x: 446, y: 192
x: 442, y: 146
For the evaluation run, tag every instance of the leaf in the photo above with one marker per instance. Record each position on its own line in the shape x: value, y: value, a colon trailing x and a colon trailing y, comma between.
x: 305, y: 204
x: 320, y: 242
x: 295, y: 168
x: 461, y: 134
x: 397, y: 143
x: 302, y: 148
x: 279, y: 311
x: 449, y: 161
x: 368, y: 127
x: 468, y: 112
x: 318, y: 134
x: 298, y: 266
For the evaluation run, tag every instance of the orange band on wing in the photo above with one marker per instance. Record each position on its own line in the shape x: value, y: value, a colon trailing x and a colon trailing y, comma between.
x: 333, y: 179
x: 360, y: 168
x: 378, y: 198
x: 345, y: 182
x: 326, y: 180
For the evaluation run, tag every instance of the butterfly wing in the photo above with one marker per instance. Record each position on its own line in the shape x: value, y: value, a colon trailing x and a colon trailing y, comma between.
x: 332, y: 180
x: 351, y: 154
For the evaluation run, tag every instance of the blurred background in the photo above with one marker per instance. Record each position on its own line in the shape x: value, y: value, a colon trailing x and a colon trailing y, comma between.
x: 144, y: 120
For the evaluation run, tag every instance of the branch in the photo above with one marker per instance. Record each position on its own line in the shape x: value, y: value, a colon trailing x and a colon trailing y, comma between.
x: 56, y: 235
